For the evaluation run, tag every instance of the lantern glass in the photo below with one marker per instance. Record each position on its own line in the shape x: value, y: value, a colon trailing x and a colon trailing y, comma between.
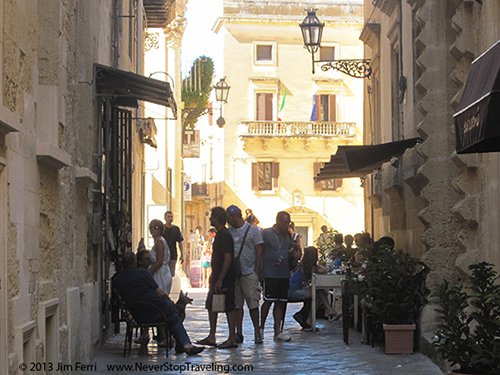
x: 222, y: 90
x: 312, y: 30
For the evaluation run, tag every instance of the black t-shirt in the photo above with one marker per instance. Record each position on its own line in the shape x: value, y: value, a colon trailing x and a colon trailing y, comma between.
x: 223, y: 244
x: 172, y: 235
x: 136, y: 285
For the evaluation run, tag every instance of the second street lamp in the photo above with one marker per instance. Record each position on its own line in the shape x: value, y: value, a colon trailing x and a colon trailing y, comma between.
x: 221, y: 93
x: 312, y: 31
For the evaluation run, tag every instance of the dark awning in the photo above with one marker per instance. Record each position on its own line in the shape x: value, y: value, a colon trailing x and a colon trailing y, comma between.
x: 358, y: 161
x: 129, y: 87
x: 477, y: 121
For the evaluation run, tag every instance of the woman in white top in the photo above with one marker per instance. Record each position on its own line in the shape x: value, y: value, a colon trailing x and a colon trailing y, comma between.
x: 160, y: 255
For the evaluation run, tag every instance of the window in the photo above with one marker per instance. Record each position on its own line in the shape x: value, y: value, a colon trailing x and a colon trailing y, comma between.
x: 327, y: 53
x: 264, y: 107
x: 327, y: 107
x: 265, y: 175
x: 333, y: 184
x: 265, y: 53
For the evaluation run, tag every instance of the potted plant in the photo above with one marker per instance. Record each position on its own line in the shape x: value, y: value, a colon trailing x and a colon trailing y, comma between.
x: 469, y: 332
x: 396, y: 293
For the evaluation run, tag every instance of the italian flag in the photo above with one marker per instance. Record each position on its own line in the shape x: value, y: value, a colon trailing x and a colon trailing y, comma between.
x: 281, y: 110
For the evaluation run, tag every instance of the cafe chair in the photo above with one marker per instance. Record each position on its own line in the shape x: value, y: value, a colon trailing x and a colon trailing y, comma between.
x: 134, y: 316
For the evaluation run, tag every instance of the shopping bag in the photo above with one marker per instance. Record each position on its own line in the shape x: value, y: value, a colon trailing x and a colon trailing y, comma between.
x: 218, y: 303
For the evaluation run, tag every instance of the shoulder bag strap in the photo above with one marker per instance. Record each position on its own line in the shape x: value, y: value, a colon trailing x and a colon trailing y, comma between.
x: 243, y: 242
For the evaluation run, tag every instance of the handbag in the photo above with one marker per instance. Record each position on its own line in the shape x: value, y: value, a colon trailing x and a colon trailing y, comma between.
x: 236, y: 260
x: 218, y: 302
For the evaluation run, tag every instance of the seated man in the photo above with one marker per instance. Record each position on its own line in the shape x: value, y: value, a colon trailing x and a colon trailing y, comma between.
x: 136, y: 285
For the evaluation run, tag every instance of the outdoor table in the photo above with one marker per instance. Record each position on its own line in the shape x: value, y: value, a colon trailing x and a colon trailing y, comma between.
x: 323, y: 281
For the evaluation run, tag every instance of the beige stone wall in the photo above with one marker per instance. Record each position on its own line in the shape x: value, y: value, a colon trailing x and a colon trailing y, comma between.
x: 446, y: 205
x: 48, y: 130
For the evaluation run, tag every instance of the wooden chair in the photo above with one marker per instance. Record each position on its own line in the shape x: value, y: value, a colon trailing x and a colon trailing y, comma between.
x: 156, y: 318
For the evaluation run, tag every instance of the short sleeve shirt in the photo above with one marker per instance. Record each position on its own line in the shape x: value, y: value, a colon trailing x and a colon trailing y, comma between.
x: 247, y: 255
x: 223, y: 244
x: 172, y: 235
x: 275, y: 255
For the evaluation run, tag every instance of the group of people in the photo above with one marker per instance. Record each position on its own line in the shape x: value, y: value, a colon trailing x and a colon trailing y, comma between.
x: 248, y: 262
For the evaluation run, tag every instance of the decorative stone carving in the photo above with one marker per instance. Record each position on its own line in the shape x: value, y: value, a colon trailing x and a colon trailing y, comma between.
x: 151, y: 41
x: 175, y: 30
x: 9, y: 93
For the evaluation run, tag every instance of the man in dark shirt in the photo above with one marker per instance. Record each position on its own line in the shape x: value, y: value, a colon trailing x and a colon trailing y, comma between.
x: 136, y: 285
x: 222, y: 279
x: 173, y: 236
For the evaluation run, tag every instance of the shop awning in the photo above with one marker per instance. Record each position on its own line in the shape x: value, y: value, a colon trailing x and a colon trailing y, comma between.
x: 477, y: 121
x: 358, y: 161
x: 128, y: 87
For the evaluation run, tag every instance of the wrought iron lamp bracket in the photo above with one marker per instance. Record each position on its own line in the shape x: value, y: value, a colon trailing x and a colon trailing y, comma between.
x: 353, y: 68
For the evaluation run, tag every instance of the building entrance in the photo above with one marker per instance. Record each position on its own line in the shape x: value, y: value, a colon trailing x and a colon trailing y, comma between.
x: 303, y: 231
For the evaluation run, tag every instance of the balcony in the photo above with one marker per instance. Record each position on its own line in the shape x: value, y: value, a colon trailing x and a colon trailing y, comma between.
x: 199, y: 189
x: 298, y: 129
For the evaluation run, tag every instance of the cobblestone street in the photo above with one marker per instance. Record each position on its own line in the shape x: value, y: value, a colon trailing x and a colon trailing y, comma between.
x: 323, y: 352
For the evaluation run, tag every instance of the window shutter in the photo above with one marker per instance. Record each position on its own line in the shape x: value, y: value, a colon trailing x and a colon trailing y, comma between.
x: 319, y: 109
x: 269, y: 107
x: 333, y: 108
x: 255, y: 176
x: 275, y: 173
x: 316, y: 167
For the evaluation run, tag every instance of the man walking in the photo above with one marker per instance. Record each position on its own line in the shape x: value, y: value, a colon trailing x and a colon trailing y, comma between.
x: 221, y: 280
x: 136, y: 285
x: 276, y: 272
x: 173, y: 236
x: 248, y: 247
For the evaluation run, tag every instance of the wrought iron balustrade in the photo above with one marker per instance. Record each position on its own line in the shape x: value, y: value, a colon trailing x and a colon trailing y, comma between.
x: 298, y: 129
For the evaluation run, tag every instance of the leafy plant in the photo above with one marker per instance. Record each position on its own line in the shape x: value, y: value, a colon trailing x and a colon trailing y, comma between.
x: 469, y: 333
x: 196, y: 89
x: 395, y: 286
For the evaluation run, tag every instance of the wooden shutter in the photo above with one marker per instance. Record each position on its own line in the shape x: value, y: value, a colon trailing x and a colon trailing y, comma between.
x: 269, y: 107
x: 332, y: 110
x: 260, y: 112
x: 275, y: 173
x: 318, y: 108
x: 316, y: 167
x: 255, y: 176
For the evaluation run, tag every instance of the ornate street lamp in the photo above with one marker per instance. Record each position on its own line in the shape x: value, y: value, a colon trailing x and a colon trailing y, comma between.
x: 221, y: 94
x: 312, y: 30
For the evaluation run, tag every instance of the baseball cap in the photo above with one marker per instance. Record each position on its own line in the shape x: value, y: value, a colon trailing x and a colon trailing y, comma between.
x: 233, y: 210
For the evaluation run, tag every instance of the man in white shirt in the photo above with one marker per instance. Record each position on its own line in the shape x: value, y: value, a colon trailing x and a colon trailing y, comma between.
x: 248, y: 248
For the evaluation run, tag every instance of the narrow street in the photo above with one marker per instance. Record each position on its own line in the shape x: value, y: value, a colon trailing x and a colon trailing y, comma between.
x: 323, y: 352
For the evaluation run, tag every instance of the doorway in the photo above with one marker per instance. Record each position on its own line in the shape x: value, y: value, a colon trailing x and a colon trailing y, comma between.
x: 303, y: 231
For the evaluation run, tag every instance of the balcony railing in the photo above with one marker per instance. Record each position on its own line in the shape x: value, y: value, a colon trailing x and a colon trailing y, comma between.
x: 298, y: 129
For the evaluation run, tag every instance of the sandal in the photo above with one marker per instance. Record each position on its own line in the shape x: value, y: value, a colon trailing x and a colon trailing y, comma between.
x: 227, y: 345
x: 206, y: 342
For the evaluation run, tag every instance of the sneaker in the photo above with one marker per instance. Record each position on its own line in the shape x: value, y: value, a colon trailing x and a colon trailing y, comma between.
x: 193, y: 350
x: 283, y: 337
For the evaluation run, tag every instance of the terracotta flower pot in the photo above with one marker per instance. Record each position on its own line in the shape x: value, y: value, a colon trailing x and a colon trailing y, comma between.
x: 399, y: 338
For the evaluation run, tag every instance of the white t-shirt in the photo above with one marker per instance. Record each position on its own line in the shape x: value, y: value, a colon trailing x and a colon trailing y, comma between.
x: 247, y: 255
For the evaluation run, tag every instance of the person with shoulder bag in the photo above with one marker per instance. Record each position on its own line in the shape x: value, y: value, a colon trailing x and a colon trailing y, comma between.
x: 247, y: 254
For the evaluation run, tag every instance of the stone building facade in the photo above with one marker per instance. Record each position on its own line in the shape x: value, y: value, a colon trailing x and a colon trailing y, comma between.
x: 437, y: 204
x: 59, y: 217
x: 283, y: 122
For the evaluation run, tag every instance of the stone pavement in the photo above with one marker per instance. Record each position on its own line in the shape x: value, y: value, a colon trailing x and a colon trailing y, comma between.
x: 322, y: 352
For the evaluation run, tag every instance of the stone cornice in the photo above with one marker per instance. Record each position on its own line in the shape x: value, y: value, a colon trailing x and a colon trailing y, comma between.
x: 386, y: 6
x: 415, y: 4
x: 371, y: 34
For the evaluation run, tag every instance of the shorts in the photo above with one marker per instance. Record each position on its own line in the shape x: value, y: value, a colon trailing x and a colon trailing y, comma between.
x: 276, y: 289
x: 247, y: 288
x: 228, y: 292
